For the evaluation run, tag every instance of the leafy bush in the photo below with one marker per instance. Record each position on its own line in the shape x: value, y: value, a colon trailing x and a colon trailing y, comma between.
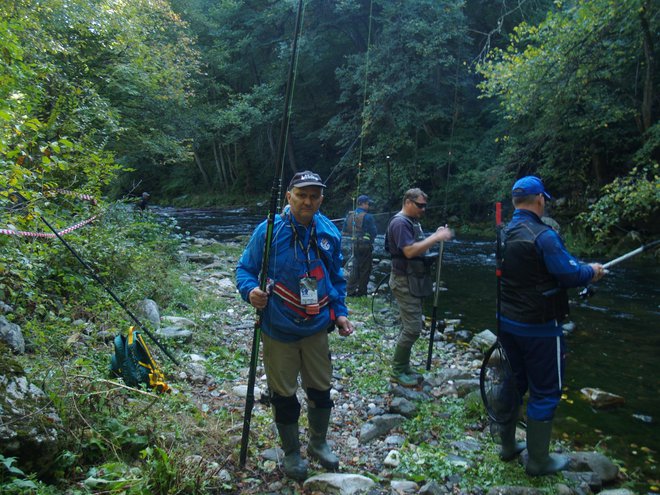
x: 630, y: 200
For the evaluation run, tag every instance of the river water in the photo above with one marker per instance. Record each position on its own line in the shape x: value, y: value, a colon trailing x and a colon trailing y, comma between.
x: 614, y: 347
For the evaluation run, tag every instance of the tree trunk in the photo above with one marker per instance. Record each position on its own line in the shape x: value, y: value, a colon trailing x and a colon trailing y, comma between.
x: 205, y: 176
x: 647, y: 98
x: 218, y: 164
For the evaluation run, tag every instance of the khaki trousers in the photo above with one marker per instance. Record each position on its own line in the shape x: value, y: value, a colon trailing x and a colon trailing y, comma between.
x: 308, y: 357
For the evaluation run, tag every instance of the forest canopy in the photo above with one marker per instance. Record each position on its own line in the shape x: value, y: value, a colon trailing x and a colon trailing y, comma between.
x: 185, y: 99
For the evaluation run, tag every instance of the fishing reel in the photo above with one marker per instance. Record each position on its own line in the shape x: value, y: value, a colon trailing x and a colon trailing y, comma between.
x: 587, y: 292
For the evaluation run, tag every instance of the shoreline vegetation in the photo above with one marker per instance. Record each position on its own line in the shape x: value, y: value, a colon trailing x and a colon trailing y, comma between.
x: 112, y: 439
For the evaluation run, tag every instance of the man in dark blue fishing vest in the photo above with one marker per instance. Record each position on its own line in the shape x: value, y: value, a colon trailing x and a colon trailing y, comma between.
x: 536, y: 271
x: 305, y: 301
x: 358, y: 235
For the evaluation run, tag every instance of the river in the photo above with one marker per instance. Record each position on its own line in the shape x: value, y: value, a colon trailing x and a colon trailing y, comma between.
x: 614, y: 347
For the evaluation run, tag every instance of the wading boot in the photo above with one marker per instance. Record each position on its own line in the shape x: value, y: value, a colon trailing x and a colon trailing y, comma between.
x: 538, y: 442
x: 510, y: 449
x: 413, y: 374
x: 318, y: 447
x: 400, y: 363
x: 294, y: 466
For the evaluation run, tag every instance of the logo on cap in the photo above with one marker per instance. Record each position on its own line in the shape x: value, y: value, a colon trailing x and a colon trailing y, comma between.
x: 306, y: 178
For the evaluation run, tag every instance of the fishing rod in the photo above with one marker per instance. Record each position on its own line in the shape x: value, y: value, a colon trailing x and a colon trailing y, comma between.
x: 435, y: 308
x: 17, y: 197
x: 270, y: 222
x: 442, y: 243
x: 589, y: 291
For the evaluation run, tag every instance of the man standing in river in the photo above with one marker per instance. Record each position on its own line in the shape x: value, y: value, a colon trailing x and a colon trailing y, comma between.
x: 536, y: 270
x: 305, y: 301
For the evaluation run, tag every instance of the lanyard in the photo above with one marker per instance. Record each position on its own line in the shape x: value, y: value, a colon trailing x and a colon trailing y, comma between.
x: 303, y: 248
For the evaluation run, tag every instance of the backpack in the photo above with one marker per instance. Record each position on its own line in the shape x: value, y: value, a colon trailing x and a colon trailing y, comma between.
x: 133, y: 363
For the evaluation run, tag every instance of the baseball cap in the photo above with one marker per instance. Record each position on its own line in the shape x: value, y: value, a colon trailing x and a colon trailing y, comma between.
x: 529, y: 185
x: 306, y: 178
x: 363, y: 198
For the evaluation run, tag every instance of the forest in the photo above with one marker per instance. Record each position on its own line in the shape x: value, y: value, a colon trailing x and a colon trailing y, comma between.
x: 102, y: 100
x: 184, y: 99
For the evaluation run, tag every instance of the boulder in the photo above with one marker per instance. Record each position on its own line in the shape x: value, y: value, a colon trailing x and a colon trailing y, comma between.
x: 29, y: 425
x: 12, y: 335
x: 338, y: 484
x: 148, y: 309
x: 601, y: 399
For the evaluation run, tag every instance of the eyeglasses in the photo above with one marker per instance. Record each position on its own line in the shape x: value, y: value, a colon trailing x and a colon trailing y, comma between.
x: 421, y: 206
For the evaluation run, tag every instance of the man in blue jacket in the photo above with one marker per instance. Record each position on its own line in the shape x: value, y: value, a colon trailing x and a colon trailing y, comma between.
x: 304, y: 302
x: 536, y: 270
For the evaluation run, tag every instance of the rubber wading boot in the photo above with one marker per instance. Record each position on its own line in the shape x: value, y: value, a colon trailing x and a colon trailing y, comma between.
x: 538, y: 442
x: 413, y: 374
x: 400, y: 362
x: 318, y: 447
x: 510, y: 449
x: 295, y: 467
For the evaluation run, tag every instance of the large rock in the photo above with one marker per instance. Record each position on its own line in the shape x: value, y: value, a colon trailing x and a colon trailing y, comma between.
x: 378, y: 426
x: 148, y: 309
x: 483, y: 340
x: 601, y: 399
x: 29, y: 425
x: 338, y: 484
x: 597, y: 463
x: 12, y: 335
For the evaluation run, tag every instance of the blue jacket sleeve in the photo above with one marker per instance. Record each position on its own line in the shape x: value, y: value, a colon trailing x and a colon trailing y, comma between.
x: 249, y: 265
x: 560, y: 263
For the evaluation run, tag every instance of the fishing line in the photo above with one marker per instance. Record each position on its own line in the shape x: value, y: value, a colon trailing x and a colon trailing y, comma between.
x: 270, y: 221
x: 293, y: 76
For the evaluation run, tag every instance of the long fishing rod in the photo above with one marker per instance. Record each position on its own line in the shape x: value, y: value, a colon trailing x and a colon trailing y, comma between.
x: 21, y: 199
x: 442, y: 243
x: 589, y: 291
x: 274, y: 196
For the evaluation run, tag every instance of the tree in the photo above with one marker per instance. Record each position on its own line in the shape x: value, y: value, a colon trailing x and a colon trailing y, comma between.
x: 576, y: 92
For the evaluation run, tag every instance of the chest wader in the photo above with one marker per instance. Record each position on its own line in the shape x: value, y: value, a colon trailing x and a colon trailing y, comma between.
x: 401, y: 372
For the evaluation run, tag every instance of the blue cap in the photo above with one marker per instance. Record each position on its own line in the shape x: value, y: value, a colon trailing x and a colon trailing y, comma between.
x: 529, y: 185
x: 363, y: 198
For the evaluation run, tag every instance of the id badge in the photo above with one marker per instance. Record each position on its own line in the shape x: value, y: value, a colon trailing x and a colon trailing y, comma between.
x: 308, y: 291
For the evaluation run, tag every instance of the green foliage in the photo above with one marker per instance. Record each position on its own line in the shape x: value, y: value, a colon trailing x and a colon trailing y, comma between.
x: 14, y: 481
x: 627, y: 202
x: 567, y: 90
x: 433, y: 455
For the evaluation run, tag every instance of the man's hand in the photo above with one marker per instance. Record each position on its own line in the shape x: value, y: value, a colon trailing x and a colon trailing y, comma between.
x: 599, y: 271
x: 443, y: 234
x: 344, y: 326
x: 258, y: 298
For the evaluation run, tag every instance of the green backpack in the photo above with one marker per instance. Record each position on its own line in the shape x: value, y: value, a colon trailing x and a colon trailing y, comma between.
x: 133, y: 363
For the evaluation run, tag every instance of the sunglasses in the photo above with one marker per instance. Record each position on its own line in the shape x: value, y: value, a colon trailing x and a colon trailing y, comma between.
x: 421, y: 206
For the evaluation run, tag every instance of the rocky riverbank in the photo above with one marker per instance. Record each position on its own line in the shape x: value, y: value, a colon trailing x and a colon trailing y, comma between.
x: 368, y: 426
x: 434, y: 439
